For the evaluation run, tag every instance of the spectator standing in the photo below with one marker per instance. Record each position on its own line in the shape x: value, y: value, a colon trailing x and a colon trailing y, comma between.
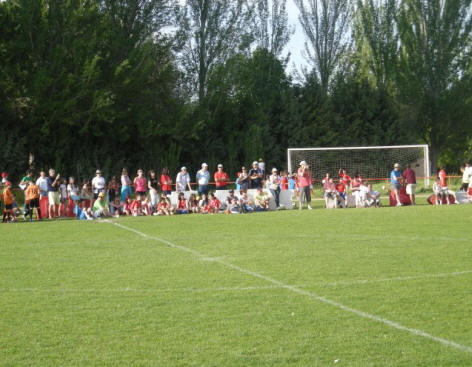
x: 221, y: 178
x: 42, y: 182
x: 182, y: 180
x: 203, y: 180
x: 274, y: 187
x: 166, y: 182
x: 53, y: 192
x: 255, y: 176
x: 466, y: 176
x: 410, y: 180
x: 152, y: 186
x: 113, y: 192
x: 125, y: 185
x: 395, y: 184
x: 304, y: 183
x: 140, y: 184
x: 98, y: 184
x: 73, y: 190
x: 243, y: 179
x: 261, y: 165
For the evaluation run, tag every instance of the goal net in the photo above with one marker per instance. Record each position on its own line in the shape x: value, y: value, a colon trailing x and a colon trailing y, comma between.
x: 374, y: 163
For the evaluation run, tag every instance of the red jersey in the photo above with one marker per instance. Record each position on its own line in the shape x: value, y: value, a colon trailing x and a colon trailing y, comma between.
x: 162, y: 205
x: 284, y: 183
x: 345, y: 178
x: 164, y: 185
x: 341, y: 187
x: 215, y: 204
x: 442, y: 178
x: 135, y: 205
x: 182, y: 204
x: 469, y: 192
x: 221, y: 176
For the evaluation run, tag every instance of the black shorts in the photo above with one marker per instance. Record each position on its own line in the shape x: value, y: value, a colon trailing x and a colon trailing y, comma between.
x: 8, y: 206
x: 34, y: 203
x: 140, y: 193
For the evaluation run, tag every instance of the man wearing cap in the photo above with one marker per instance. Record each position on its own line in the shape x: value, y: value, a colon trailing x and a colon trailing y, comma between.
x: 255, y: 176
x: 100, y: 207
x: 395, y: 183
x: 98, y: 184
x: 304, y: 183
x: 203, y: 180
x: 221, y: 178
x: 182, y: 180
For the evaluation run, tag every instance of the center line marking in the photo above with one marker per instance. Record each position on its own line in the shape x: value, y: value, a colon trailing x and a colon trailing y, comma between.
x: 297, y: 290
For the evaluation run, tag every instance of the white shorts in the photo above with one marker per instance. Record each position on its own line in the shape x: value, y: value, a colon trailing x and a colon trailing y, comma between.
x: 53, y: 197
x: 410, y: 189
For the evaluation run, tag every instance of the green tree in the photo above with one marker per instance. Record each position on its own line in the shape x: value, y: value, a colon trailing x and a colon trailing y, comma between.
x: 435, y: 45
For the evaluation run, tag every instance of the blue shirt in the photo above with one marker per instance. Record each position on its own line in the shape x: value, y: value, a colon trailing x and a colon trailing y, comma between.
x: 394, y: 177
x: 291, y: 184
x: 203, y: 177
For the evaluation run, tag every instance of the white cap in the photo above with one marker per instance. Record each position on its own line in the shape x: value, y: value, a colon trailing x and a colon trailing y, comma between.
x: 204, y: 165
x: 274, y: 169
x: 183, y: 168
x: 396, y: 165
x: 302, y: 163
x: 220, y: 165
x: 255, y: 162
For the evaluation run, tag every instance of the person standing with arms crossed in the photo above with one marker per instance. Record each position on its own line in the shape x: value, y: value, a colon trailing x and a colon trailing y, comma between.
x: 53, y: 193
x: 410, y: 179
x: 221, y: 178
x: 304, y: 183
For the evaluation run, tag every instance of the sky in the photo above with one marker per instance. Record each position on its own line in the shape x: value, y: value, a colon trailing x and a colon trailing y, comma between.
x: 296, y: 45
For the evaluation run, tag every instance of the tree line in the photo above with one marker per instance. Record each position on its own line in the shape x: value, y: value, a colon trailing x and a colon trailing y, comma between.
x: 107, y: 84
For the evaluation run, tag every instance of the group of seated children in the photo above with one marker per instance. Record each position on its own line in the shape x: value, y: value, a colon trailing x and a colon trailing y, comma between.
x: 336, y: 195
x: 141, y: 206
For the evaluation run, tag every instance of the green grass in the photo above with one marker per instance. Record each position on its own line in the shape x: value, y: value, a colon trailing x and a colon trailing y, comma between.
x: 93, y: 294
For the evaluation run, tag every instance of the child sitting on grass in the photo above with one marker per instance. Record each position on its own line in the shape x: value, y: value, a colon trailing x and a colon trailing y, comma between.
x: 164, y: 207
x: 214, y: 204
x: 204, y: 205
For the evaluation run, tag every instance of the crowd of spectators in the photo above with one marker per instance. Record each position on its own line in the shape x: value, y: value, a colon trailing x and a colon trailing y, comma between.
x: 150, y: 195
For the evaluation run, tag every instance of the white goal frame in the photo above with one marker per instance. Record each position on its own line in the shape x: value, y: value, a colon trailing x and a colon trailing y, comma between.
x: 425, y: 148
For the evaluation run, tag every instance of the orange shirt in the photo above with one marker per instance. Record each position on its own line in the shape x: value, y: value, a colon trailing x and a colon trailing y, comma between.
x: 32, y: 192
x: 7, y: 196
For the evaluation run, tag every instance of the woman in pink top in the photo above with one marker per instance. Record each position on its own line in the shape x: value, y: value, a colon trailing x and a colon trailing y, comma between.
x: 140, y: 184
x: 304, y: 183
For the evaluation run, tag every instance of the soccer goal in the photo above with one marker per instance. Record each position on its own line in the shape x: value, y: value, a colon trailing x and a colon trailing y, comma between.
x: 373, y: 162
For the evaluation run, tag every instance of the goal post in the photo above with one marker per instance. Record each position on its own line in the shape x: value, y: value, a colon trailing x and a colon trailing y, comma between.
x: 371, y: 162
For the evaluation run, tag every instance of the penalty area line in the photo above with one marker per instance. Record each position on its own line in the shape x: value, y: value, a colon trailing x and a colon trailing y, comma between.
x: 302, y: 292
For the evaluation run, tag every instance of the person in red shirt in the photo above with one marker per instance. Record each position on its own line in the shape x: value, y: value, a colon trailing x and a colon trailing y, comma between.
x: 214, y: 204
x: 283, y: 181
x: 164, y: 207
x: 410, y: 179
x: 341, y: 188
x: 166, y: 182
x: 182, y: 204
x: 442, y: 177
x: 221, y: 178
x: 344, y: 176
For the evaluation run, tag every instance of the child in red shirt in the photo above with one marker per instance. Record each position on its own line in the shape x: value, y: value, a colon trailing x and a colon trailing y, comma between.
x: 214, y: 204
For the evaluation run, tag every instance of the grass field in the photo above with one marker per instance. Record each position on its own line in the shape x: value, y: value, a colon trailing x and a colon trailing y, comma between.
x: 365, y: 287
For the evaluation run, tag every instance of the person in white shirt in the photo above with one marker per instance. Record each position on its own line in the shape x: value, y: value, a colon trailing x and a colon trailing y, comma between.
x: 274, y: 187
x: 98, y: 184
x: 183, y: 180
x: 466, y: 176
x: 42, y: 182
x: 203, y: 180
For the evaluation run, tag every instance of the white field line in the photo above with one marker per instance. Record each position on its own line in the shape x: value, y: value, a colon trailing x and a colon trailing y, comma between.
x: 141, y: 290
x: 311, y: 295
x: 393, y: 279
